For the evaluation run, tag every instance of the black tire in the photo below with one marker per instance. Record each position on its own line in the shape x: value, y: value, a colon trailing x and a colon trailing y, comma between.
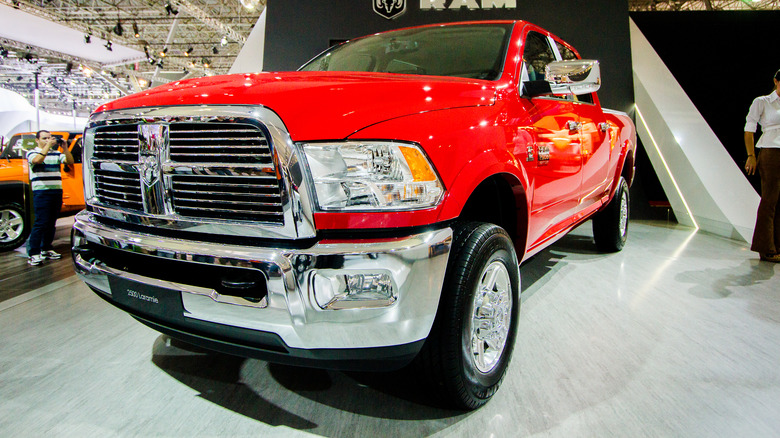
x: 14, y: 226
x: 610, y: 226
x: 460, y: 377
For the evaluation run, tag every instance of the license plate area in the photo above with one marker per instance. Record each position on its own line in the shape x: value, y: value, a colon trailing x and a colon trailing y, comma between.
x: 154, y: 301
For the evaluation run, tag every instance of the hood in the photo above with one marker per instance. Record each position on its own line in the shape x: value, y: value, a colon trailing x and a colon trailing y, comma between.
x: 320, y: 105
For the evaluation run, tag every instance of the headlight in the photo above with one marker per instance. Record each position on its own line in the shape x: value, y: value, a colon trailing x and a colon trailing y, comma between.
x: 372, y: 175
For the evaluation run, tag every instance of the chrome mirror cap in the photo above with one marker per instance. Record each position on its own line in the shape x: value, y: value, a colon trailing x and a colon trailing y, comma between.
x: 573, y: 77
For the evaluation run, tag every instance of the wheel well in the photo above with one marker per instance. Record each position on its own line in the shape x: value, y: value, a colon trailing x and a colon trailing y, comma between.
x: 13, y: 191
x: 628, y: 169
x: 500, y: 200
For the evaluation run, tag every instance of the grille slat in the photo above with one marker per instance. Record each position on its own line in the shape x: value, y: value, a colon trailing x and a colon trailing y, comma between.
x: 222, y: 171
x: 224, y: 143
x: 260, y: 141
x: 183, y: 193
x: 116, y: 142
x: 239, y: 204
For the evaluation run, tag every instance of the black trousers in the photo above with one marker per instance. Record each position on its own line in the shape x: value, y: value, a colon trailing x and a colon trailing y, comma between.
x: 47, y: 205
x: 766, y: 237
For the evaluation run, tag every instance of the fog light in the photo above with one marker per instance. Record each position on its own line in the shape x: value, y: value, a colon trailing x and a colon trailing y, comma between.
x: 335, y: 289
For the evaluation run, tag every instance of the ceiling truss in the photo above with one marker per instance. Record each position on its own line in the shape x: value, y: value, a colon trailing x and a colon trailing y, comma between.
x: 704, y: 5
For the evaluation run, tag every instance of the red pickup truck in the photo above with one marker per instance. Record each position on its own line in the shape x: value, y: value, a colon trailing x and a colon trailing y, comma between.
x: 365, y: 212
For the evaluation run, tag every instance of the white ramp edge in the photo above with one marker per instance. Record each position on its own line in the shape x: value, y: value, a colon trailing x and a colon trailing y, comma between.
x: 706, y: 188
x: 250, y: 58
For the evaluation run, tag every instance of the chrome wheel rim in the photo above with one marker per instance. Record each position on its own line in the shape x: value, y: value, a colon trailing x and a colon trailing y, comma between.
x: 11, y: 225
x: 623, y: 213
x: 491, y: 316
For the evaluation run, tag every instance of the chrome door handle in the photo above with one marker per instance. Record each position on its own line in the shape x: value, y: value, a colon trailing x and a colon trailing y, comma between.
x: 574, y: 125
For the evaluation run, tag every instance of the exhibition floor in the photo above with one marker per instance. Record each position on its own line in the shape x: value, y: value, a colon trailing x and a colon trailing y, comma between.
x: 677, y: 335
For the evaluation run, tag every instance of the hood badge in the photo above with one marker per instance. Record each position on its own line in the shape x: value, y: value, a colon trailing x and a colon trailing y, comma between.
x: 152, y: 141
x: 390, y: 9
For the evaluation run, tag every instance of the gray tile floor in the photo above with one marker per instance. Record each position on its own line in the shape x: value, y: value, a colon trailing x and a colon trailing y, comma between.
x: 677, y: 335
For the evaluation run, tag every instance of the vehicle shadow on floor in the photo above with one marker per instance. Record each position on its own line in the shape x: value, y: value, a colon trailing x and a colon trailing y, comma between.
x: 264, y: 392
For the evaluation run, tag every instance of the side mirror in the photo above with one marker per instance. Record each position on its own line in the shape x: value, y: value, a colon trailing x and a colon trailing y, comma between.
x: 576, y: 77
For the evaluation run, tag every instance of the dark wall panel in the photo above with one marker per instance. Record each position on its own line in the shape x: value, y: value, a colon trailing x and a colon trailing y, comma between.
x: 723, y: 60
x: 297, y: 30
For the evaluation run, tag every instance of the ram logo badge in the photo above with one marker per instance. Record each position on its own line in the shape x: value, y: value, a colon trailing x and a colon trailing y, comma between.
x: 390, y: 9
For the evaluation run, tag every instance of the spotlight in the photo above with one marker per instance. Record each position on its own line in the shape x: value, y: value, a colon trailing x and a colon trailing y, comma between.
x: 146, y: 51
x: 250, y: 4
x: 223, y: 42
x: 135, y: 31
x: 108, y: 46
x: 118, y: 28
x: 206, y: 62
x: 152, y: 61
x: 188, y: 52
x: 163, y: 52
x: 87, y: 38
x: 170, y: 10
x: 160, y: 63
x: 214, y: 50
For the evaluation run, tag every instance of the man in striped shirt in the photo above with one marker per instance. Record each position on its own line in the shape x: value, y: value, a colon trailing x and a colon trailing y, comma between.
x: 46, y: 182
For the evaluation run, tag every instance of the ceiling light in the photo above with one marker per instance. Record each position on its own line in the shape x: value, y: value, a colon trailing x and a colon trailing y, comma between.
x: 118, y: 28
x: 223, y: 42
x: 164, y: 52
x: 214, y: 50
x: 87, y: 38
x: 135, y: 31
x: 250, y: 4
x: 206, y: 62
x: 188, y: 52
x: 108, y: 46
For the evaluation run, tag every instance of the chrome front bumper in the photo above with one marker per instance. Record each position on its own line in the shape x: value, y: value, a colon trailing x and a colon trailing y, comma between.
x: 416, y: 263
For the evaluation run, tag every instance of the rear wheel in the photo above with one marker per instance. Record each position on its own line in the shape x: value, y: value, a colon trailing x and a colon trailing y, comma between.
x: 610, y: 226
x: 470, y: 345
x: 14, y: 227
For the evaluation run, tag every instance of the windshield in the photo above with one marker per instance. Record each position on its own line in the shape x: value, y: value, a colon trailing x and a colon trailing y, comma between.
x: 467, y: 51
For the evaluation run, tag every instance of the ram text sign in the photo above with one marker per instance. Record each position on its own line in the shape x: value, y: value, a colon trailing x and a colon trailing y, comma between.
x: 441, y: 5
x: 392, y: 9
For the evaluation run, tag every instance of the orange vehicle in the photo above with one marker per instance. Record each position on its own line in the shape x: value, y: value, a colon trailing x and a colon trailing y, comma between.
x: 15, y: 197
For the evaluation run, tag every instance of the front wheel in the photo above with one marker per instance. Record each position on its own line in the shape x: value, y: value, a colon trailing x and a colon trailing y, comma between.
x: 14, y: 227
x: 610, y: 226
x: 470, y: 345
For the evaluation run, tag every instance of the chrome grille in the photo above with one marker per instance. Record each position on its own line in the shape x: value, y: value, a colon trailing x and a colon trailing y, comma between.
x: 254, y: 198
x: 116, y: 143
x: 219, y: 143
x: 215, y: 170
x: 122, y: 189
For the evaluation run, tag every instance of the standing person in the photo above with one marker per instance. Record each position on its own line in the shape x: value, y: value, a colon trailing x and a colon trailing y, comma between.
x: 46, y: 181
x: 765, y: 110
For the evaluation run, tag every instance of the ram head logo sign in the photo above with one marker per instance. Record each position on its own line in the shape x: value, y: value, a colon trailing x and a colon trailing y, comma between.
x: 390, y: 9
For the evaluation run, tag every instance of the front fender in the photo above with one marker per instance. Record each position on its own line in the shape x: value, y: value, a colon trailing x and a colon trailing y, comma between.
x: 465, y: 145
